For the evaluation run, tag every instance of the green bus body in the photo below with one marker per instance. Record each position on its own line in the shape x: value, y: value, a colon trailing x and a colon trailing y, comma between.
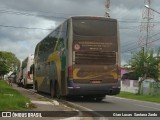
x: 80, y: 57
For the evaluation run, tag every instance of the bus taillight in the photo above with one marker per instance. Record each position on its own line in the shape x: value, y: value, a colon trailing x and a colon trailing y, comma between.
x: 70, y: 71
x: 119, y: 72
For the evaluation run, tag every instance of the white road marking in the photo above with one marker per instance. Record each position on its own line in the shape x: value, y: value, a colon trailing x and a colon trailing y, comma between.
x: 157, y: 104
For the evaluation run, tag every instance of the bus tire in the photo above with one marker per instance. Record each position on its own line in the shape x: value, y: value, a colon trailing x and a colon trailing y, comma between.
x: 25, y: 85
x: 99, y: 99
x: 57, y: 91
x: 36, y: 87
x: 52, y: 90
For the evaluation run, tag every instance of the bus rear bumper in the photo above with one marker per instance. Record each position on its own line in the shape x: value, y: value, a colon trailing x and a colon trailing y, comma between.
x: 83, y: 90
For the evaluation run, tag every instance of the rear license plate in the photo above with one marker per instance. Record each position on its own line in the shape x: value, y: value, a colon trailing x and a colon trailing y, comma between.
x: 96, y: 81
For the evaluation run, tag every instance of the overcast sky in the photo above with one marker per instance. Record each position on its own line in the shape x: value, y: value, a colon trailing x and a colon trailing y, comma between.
x: 23, y: 23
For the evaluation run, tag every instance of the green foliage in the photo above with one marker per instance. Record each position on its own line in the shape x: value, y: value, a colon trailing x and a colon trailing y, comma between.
x: 139, y: 97
x: 11, y: 99
x: 145, y: 63
x: 130, y: 76
x: 8, y: 62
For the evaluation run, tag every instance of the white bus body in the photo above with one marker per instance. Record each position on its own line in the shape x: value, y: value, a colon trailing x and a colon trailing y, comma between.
x: 27, y: 75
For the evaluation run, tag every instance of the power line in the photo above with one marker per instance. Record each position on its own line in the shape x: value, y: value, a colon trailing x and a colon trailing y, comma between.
x: 128, y: 21
x: 38, y: 11
x: 141, y: 45
x: 131, y: 43
x: 29, y: 14
x: 7, y: 26
x: 11, y: 26
x: 129, y: 27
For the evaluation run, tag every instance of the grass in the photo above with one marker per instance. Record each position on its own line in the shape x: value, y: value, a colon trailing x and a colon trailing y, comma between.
x: 139, y: 97
x: 11, y: 99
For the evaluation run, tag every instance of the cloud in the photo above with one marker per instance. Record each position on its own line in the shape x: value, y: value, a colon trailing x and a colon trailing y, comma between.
x: 23, y: 41
x: 48, y: 14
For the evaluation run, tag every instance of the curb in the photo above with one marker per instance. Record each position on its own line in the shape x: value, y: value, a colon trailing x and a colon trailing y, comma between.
x: 55, y: 102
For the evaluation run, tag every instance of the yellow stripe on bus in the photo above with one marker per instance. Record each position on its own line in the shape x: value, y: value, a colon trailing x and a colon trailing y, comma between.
x: 76, y: 70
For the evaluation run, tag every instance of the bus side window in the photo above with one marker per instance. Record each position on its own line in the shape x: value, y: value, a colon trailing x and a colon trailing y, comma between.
x: 62, y: 37
x: 64, y: 33
x: 52, y: 41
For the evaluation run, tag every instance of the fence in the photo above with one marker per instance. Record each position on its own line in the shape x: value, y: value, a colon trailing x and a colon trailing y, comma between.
x: 129, y: 86
x: 148, y: 87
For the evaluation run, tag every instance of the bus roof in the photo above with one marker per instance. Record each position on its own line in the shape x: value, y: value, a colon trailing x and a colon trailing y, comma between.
x: 92, y: 17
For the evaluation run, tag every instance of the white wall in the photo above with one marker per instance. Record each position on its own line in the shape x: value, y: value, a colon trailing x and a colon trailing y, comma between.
x: 129, y: 86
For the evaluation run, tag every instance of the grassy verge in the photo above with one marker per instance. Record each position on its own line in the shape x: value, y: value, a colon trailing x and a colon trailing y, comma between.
x: 11, y: 99
x: 139, y: 97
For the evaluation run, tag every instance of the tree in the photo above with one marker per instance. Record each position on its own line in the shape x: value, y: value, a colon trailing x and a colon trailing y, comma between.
x: 8, y: 62
x: 145, y: 65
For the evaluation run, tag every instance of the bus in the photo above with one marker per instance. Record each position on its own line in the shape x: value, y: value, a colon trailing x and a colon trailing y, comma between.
x: 27, y: 75
x: 81, y: 57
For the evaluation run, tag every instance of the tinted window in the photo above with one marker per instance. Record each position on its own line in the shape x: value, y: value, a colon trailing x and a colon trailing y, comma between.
x: 62, y: 36
x: 64, y: 30
x: 94, y: 27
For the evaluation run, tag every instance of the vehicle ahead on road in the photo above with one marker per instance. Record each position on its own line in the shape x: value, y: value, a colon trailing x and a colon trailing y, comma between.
x: 80, y: 57
x: 27, y: 75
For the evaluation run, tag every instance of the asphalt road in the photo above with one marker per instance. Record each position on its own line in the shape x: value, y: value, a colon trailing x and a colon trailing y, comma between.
x: 114, y: 104
x: 120, y: 104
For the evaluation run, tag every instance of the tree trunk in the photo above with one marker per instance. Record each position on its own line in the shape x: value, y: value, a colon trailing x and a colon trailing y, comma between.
x: 139, y: 85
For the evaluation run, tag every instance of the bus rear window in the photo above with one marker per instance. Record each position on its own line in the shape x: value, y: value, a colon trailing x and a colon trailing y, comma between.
x: 94, y: 27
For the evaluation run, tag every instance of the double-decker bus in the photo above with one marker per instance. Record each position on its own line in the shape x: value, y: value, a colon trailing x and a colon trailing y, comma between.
x: 27, y: 76
x: 80, y: 57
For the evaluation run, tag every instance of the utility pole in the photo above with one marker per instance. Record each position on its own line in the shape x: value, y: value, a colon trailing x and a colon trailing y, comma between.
x: 107, y: 5
x: 146, y: 26
x: 145, y: 40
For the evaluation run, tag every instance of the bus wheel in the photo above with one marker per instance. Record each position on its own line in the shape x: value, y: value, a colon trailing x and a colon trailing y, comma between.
x: 99, y: 99
x: 25, y: 85
x: 57, y: 91
x: 52, y: 91
x: 36, y: 87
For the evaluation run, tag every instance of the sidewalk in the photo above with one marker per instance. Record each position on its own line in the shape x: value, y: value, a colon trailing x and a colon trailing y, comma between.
x: 47, y: 105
